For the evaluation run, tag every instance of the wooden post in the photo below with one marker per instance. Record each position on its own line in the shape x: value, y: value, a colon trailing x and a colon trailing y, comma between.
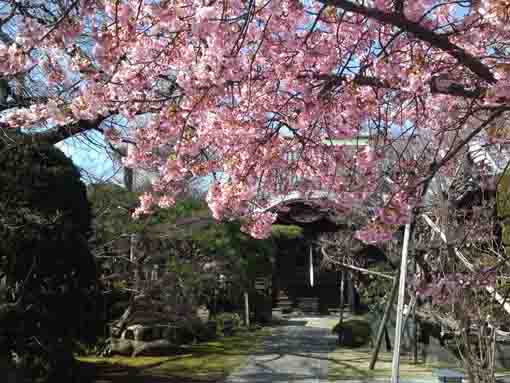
x: 311, y: 266
x: 410, y: 308
x: 132, y: 247
x: 246, y: 310
x: 352, y: 293
x: 129, y: 184
x: 342, y: 292
x: 387, y: 339
x: 133, y: 240
x: 413, y: 313
x: 395, y: 367
x: 384, y: 320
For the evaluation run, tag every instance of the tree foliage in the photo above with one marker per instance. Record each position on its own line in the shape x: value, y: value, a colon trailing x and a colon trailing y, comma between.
x: 205, y: 262
x: 50, y: 273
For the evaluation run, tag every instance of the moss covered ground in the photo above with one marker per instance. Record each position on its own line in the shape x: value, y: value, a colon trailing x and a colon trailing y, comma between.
x: 204, y: 362
x: 352, y: 360
x: 349, y: 363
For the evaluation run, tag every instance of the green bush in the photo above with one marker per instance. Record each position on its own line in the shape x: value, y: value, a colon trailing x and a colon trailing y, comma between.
x: 45, y: 225
x: 185, y: 332
x: 286, y: 231
x: 205, y: 331
x: 194, y: 330
x: 209, y: 331
x: 354, y: 332
x: 223, y: 318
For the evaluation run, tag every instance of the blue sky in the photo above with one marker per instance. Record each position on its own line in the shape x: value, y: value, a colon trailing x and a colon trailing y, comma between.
x: 88, y: 153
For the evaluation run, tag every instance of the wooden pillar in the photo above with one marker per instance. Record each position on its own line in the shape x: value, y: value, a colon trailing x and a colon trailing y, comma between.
x: 246, y: 310
x: 351, y: 293
x: 395, y: 368
x: 413, y: 317
x: 155, y: 276
x: 310, y: 260
x: 384, y: 320
x: 342, y: 298
x: 136, y: 275
x: 132, y: 247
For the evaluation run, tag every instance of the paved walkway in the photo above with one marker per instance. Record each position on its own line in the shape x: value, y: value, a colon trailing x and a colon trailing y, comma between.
x: 295, y: 352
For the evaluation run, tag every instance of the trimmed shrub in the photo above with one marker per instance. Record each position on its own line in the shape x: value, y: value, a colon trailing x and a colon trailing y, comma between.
x: 228, y: 323
x: 44, y: 227
x: 194, y: 330
x: 354, y: 332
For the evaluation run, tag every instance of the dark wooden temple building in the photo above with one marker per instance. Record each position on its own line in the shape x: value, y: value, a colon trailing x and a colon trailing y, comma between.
x: 303, y: 281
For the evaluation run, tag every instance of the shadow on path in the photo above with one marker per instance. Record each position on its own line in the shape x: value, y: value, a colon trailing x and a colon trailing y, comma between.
x: 293, y: 353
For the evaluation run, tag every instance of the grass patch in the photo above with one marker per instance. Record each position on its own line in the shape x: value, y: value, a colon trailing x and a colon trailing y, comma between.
x: 353, y: 364
x: 204, y: 362
x: 347, y: 363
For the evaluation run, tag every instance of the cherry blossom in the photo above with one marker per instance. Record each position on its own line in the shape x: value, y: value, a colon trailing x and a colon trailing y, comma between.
x: 269, y: 97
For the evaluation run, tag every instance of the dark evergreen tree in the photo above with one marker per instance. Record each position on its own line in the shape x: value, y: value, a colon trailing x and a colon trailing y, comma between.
x: 51, y: 283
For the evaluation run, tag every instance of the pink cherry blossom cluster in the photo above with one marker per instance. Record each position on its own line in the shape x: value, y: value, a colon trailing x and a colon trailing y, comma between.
x: 13, y: 59
x: 147, y: 203
x: 375, y: 233
x: 450, y: 287
x: 19, y: 118
x: 259, y: 225
x: 226, y: 199
x: 247, y: 91
x: 397, y: 211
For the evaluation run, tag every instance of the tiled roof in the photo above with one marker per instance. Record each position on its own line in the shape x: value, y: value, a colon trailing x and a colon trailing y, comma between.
x: 492, y: 157
x: 482, y: 159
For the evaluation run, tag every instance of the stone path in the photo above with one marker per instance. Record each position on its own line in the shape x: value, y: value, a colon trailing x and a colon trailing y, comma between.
x: 295, y: 352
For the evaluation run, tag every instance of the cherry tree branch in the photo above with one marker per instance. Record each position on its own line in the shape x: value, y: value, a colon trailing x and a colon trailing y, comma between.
x: 399, y: 6
x: 21, y: 102
x: 356, y: 268
x: 434, y: 168
x: 56, y: 135
x: 434, y: 39
x: 64, y: 15
x: 501, y: 300
x: 454, y: 89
